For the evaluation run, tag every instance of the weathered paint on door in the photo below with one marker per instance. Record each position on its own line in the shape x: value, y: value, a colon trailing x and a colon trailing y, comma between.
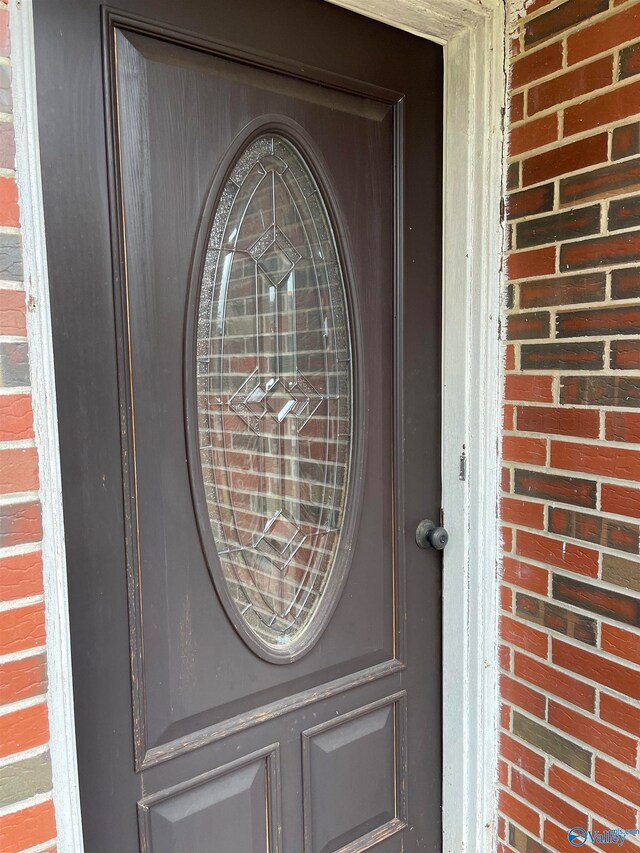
x: 201, y: 725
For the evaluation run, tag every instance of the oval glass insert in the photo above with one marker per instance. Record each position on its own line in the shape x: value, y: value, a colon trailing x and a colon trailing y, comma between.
x: 274, y: 396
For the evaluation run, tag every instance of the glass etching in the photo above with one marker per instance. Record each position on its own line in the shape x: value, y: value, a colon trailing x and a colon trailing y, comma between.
x: 274, y: 391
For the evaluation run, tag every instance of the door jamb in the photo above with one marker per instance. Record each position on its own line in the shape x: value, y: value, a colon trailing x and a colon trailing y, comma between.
x: 473, y: 38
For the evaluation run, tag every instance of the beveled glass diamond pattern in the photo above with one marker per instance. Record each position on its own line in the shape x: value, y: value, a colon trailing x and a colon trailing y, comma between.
x: 274, y: 255
x: 279, y: 402
x: 309, y: 399
x: 280, y: 539
x: 252, y: 402
x: 248, y: 401
x: 275, y: 264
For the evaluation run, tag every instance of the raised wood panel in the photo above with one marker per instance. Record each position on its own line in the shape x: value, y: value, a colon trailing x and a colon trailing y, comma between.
x: 365, y: 750
x: 233, y: 809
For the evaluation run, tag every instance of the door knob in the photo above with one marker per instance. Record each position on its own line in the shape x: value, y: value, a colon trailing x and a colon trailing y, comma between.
x: 429, y: 535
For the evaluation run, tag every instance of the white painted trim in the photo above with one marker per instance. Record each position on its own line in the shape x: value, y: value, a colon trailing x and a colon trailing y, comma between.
x: 62, y: 742
x: 473, y: 36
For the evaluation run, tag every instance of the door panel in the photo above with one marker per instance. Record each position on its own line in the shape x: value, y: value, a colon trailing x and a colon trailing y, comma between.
x: 192, y: 725
x: 164, y: 108
x: 365, y: 750
x: 231, y: 799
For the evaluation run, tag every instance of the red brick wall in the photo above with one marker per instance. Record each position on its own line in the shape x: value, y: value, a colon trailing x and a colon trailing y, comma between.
x: 570, y: 593
x: 26, y: 809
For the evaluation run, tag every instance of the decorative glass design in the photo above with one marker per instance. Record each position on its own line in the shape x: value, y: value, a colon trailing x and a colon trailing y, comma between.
x: 274, y: 392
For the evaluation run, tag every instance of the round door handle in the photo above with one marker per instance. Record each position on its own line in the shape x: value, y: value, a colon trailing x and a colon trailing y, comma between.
x: 429, y: 535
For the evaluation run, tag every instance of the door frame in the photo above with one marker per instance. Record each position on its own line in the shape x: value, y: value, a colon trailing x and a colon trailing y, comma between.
x: 473, y: 36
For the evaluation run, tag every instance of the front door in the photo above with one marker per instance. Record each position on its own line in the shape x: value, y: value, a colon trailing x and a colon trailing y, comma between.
x: 242, y: 205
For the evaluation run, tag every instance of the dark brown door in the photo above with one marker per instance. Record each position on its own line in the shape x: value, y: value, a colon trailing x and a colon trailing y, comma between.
x: 242, y: 205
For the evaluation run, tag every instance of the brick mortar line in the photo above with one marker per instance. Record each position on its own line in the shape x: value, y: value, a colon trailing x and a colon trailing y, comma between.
x: 562, y: 105
x: 605, y: 268
x: 606, y: 13
x: 509, y: 644
x: 7, y: 285
x: 523, y: 88
x: 562, y: 539
x: 18, y: 444
x: 598, y: 582
x: 19, y: 394
x: 542, y: 721
x: 45, y: 846
x: 580, y: 136
x: 579, y: 206
x: 18, y: 603
x: 528, y: 832
x: 542, y: 214
x: 592, y: 511
x: 582, y: 238
x: 537, y: 752
x: 619, y: 232
x: 571, y: 371
x: 557, y: 38
x: 600, y: 480
x: 23, y: 654
x: 20, y: 806
x: 577, y: 676
x: 553, y: 469
x: 594, y: 442
x: 15, y: 498
x: 565, y: 34
x: 572, y: 307
x: 23, y: 755
x: 8, y: 390
x: 591, y: 811
x: 538, y: 501
x: 539, y: 12
x: 23, y: 704
x: 13, y: 339
x: 613, y: 52
x: 542, y: 814
x: 594, y: 57
x: 568, y: 372
x: 572, y: 608
x: 562, y: 140
x: 604, y: 372
x: 20, y: 549
x: 590, y: 779
x: 598, y: 652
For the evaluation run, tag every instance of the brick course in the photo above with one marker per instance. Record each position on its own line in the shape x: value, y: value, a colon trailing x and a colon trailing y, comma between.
x: 27, y: 818
x: 570, y: 684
